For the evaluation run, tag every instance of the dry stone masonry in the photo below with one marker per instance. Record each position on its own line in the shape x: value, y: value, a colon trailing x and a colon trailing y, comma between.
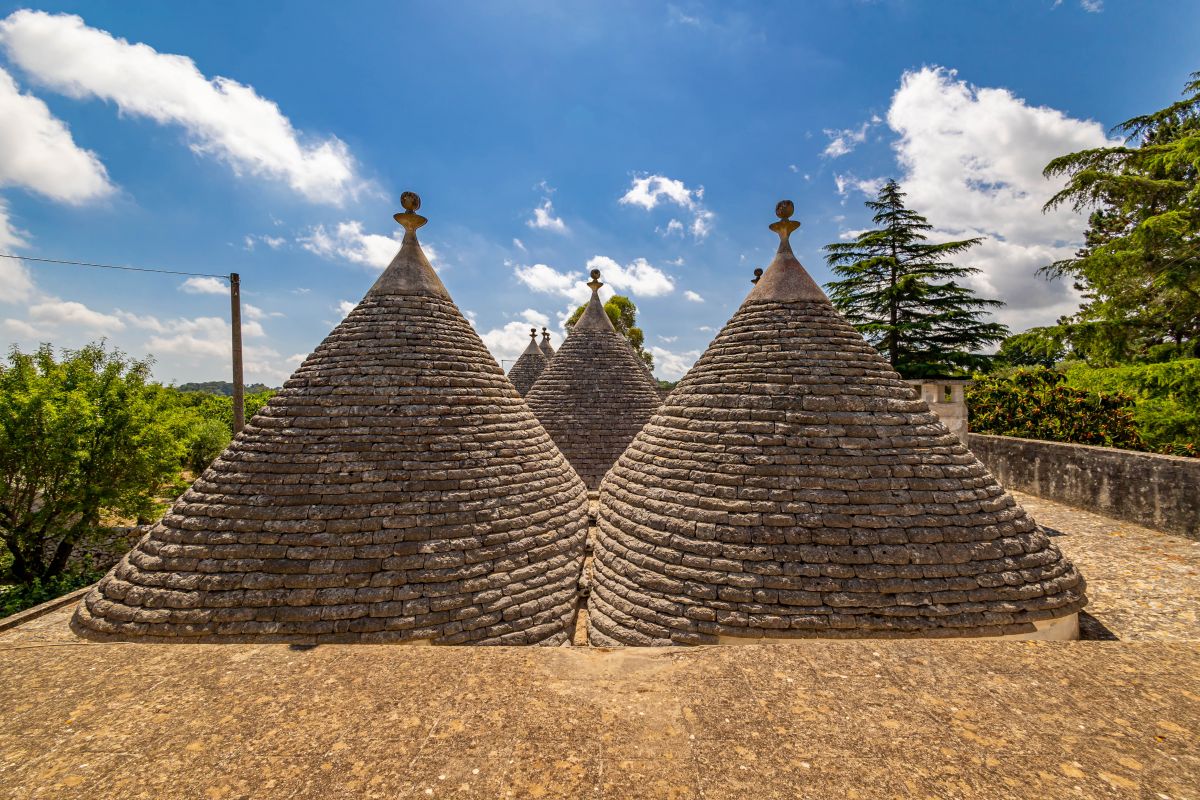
x: 595, y: 395
x: 397, y: 489
x: 529, y: 366
x: 794, y: 486
x: 547, y: 350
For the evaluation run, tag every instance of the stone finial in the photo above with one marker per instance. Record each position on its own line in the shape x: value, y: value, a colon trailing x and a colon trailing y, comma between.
x: 594, y: 316
x: 785, y: 279
x: 533, y: 334
x: 757, y: 274
x: 784, y: 227
x: 410, y: 219
x: 410, y: 272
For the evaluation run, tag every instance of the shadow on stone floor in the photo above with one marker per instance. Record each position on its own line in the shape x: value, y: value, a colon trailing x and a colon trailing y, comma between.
x: 1093, y: 630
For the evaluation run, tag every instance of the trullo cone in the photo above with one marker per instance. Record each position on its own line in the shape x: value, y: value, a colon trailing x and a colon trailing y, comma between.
x: 794, y: 486
x: 397, y: 489
x: 595, y: 394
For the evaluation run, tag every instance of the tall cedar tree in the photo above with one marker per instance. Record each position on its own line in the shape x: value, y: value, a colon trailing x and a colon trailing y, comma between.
x: 900, y: 292
x: 1139, y: 269
x: 622, y: 312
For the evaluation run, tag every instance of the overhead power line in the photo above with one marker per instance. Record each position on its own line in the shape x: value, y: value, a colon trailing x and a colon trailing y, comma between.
x: 235, y: 301
x: 114, y: 266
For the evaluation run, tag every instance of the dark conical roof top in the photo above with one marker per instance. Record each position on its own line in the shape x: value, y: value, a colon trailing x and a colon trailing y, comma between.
x: 595, y: 394
x: 529, y: 366
x: 547, y: 350
x: 792, y: 485
x: 396, y: 489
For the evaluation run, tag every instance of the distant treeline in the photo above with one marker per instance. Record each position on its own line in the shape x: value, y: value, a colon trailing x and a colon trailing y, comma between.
x: 224, y: 388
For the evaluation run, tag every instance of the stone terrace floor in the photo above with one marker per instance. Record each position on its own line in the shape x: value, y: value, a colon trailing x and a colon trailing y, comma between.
x: 868, y: 719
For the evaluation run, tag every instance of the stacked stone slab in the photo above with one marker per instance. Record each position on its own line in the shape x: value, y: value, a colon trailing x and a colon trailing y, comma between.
x: 595, y: 395
x: 794, y: 486
x: 529, y: 366
x: 397, y: 489
x: 547, y: 350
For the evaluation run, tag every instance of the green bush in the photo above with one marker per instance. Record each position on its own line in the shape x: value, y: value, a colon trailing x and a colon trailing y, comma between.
x: 1037, y: 404
x: 206, y: 439
x: 205, y: 423
x: 22, y: 596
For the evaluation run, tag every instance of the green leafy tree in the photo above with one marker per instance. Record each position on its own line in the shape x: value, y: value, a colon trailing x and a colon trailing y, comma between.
x: 207, y: 422
x: 623, y: 313
x: 1036, y: 347
x: 1166, y: 397
x: 1139, y: 268
x: 80, y: 439
x: 223, y: 388
x: 900, y: 291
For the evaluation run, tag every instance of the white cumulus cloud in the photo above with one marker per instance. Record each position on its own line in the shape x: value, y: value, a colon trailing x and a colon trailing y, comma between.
x: 692, y: 296
x: 867, y: 186
x: 252, y: 240
x: 198, y: 285
x: 37, y: 151
x: 508, y: 341
x: 547, y: 280
x: 255, y: 313
x: 223, y: 118
x: 972, y: 161
x: 349, y: 241
x: 671, y: 365
x: 20, y: 329
x: 844, y: 141
x: 15, y: 279
x: 53, y: 311
x: 648, y: 191
x: 638, y: 277
x: 543, y: 219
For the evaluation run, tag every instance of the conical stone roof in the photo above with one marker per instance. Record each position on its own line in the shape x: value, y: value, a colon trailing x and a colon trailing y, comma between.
x: 794, y: 486
x: 595, y: 395
x: 397, y: 489
x: 547, y: 350
x: 529, y: 366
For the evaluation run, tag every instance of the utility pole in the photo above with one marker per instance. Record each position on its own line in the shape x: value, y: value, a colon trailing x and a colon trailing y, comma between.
x: 239, y: 390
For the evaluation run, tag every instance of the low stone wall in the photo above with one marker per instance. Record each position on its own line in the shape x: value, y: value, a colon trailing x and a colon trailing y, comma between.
x: 1160, y: 492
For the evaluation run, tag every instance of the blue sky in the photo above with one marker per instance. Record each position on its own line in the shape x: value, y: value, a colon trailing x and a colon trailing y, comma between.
x: 650, y: 140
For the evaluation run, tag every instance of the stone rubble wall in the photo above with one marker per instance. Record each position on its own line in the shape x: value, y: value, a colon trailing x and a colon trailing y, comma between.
x: 1155, y: 491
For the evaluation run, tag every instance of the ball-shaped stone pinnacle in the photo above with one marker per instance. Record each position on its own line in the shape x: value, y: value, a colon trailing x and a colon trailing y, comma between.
x: 595, y: 274
x: 410, y: 201
x: 784, y: 209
